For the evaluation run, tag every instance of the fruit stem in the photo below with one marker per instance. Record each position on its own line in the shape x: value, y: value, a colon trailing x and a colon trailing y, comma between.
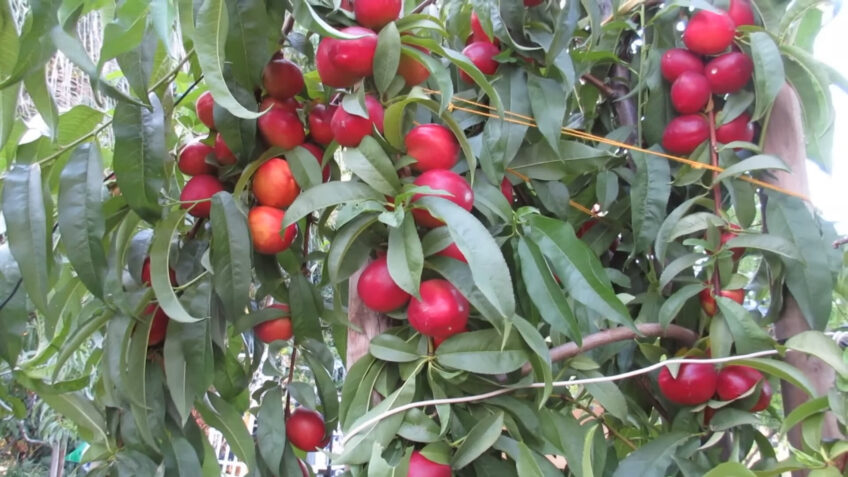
x: 716, y: 279
x: 289, y: 380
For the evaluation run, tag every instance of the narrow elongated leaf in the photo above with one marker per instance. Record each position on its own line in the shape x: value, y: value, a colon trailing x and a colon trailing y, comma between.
x: 392, y: 348
x: 344, y: 241
x: 230, y: 254
x: 36, y: 86
x: 81, y: 220
x: 210, y: 36
x: 186, y: 461
x: 405, y: 257
x: 27, y: 232
x: 730, y: 469
x: 678, y: 266
x: 649, y: 198
x: 137, y: 63
x: 250, y: 41
x: 82, y: 412
x: 748, y: 335
x: 672, y: 306
x: 238, y: 133
x: 327, y: 195
x: 545, y: 293
x: 769, y: 75
x: 526, y: 464
x: 767, y: 242
x: 758, y: 162
x: 548, y: 101
x: 271, y: 432
x: 482, y: 352
x: 160, y: 252
x: 438, y: 72
x: 125, y: 32
x: 139, y: 159
x: 221, y: 415
x: 652, y: 459
x: 387, y: 56
x: 481, y: 437
x: 821, y: 346
x: 371, y: 164
x: 326, y: 390
x: 188, y: 364
x: 665, y: 230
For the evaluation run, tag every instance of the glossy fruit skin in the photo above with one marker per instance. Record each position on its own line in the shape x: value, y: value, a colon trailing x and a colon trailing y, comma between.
x: 709, y: 33
x: 708, y: 302
x: 433, y: 146
x: 740, y: 129
x: 192, y: 160
x: 330, y: 74
x: 482, y: 54
x: 677, y: 61
x: 438, y: 340
x: 291, y: 104
x: 459, y: 192
x: 533, y: 3
x: 453, y: 251
x: 765, y: 397
x: 274, y: 184
x: 726, y: 236
x: 305, y: 429
x: 281, y: 128
x: 159, y: 326
x: 741, y: 12
x: 685, y: 133
x: 145, y: 273
x: 319, y: 123
x: 478, y: 33
x: 377, y: 288
x: 420, y: 466
x: 376, y: 14
x: 201, y: 187
x: 690, y: 92
x: 735, y: 380
x: 319, y: 156
x: 349, y: 129
x: 204, y: 108
x: 411, y: 70
x: 507, y: 190
x: 442, y: 310
x: 272, y: 330
x: 281, y: 78
x: 729, y: 73
x: 354, y: 57
x: 223, y: 153
x: 695, y: 384
x: 265, y: 224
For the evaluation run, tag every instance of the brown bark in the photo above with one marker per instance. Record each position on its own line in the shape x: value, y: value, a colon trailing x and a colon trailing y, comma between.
x: 785, y: 139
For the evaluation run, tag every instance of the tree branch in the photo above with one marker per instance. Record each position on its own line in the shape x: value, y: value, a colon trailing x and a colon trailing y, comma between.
x: 421, y: 6
x: 598, y: 83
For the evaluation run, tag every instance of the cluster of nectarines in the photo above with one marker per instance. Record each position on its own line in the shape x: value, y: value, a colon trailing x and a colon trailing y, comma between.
x: 697, y: 383
x: 693, y: 83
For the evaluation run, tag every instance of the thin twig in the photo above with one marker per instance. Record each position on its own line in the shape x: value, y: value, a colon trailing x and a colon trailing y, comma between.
x: 421, y: 6
x: 598, y: 83
x: 289, y: 379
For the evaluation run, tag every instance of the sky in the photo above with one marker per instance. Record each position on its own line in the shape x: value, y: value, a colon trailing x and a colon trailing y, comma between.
x: 829, y: 192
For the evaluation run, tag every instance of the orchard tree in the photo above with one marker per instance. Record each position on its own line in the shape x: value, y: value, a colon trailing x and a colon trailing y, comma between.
x: 542, y: 237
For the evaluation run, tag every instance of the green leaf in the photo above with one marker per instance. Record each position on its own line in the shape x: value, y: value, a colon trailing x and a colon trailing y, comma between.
x: 271, y: 431
x: 488, y: 267
x: 345, y: 241
x: 36, y: 87
x: 186, y: 460
x: 250, y: 41
x: 652, y: 459
x: 223, y: 416
x: 81, y: 411
x: 160, y: 252
x: 649, y: 195
x: 137, y: 63
x: 783, y: 371
x: 526, y: 464
x: 139, y: 158
x: 545, y: 293
x: 768, y: 72
x: 27, y: 230
x: 760, y: 161
x: 418, y: 426
x: 747, y: 334
x: 821, y: 346
x: 230, y: 254
x: 578, y: 267
x: 8, y: 109
x: 438, y: 72
x: 730, y: 469
x: 81, y: 220
x: 392, y: 348
x: 125, y: 32
x: 306, y: 170
x: 548, y: 102
x: 501, y: 139
x: 307, y: 18
x: 327, y: 195
x: 736, y: 104
x: 239, y: 134
x: 188, y: 364
x: 803, y: 411
x: 371, y: 164
x: 672, y: 306
x: 769, y: 243
x: 678, y: 266
x: 482, y: 352
x: 326, y: 390
x: 693, y: 223
x: 209, y: 42
x: 405, y: 257
x: 305, y: 309
x: 481, y: 437
x: 387, y: 56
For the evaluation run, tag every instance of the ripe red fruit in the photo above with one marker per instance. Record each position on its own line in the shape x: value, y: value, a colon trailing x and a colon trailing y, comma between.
x: 204, y: 107
x: 452, y: 251
x: 330, y: 74
x: 305, y: 429
x: 272, y: 330
x: 420, y: 466
x: 438, y: 340
x: 458, y: 192
x: 319, y: 155
x: 478, y: 33
x: 349, y: 129
x: 442, y: 310
x: 145, y: 273
x: 159, y: 326
x: 677, y: 61
x: 708, y: 302
x: 319, y: 123
x: 281, y: 78
x: 377, y: 288
x: 690, y: 92
x: 741, y: 12
x: 729, y: 73
x: 192, y: 159
x: 726, y: 236
x: 411, y: 70
x: 740, y: 129
x: 533, y: 3
x: 507, y: 190
x: 482, y: 54
x: 708, y: 32
x: 265, y: 224
x: 734, y: 381
x: 433, y: 146
x: 274, y: 184
x: 765, y: 397
x: 281, y: 128
x: 291, y: 104
x: 684, y: 133
x: 222, y: 151
x: 354, y: 57
x: 695, y: 384
x: 376, y: 13
x: 200, y: 188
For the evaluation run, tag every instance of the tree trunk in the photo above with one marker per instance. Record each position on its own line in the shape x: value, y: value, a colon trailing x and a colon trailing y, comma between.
x: 57, y: 458
x: 371, y: 322
x: 785, y: 139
